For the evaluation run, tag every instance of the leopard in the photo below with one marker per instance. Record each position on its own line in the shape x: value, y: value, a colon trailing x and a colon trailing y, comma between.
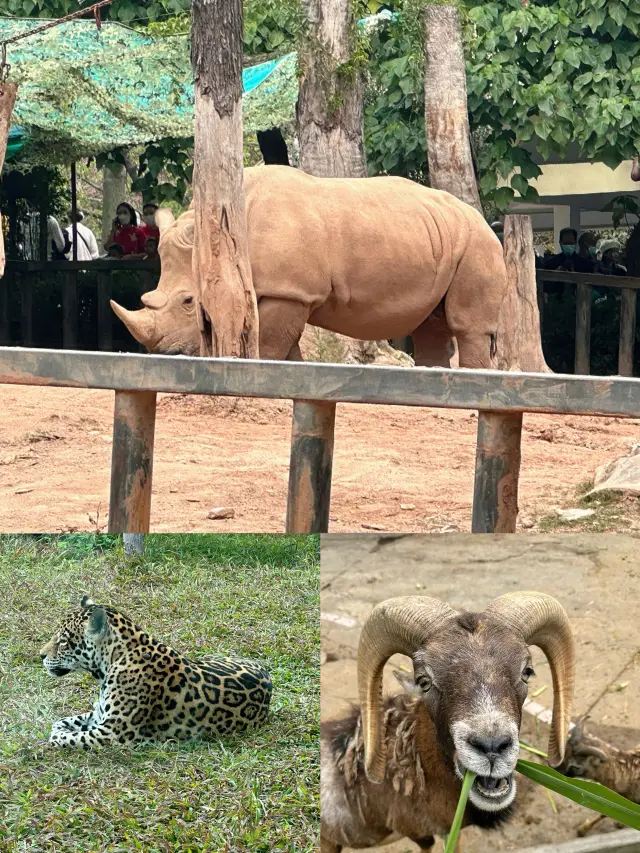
x: 147, y: 690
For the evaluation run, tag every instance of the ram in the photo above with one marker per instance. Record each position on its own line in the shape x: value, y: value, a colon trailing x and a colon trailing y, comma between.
x: 396, y: 766
x: 591, y: 758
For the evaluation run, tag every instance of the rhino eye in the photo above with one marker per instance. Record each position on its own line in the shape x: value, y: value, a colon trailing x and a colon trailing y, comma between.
x: 187, y: 300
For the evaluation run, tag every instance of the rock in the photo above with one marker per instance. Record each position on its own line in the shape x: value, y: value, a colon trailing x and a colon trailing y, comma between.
x: 373, y: 526
x: 221, y: 512
x: 527, y: 522
x: 620, y: 475
x: 407, y: 506
x: 173, y: 491
x: 22, y: 491
x: 574, y: 514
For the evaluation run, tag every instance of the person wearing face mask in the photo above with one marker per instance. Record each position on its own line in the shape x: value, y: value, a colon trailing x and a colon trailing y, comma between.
x: 609, y: 263
x: 126, y: 232
x: 587, y: 257
x: 149, y: 226
x: 575, y: 255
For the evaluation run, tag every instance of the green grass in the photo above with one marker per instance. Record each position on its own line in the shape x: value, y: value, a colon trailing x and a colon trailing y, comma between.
x: 614, y: 512
x: 257, y: 596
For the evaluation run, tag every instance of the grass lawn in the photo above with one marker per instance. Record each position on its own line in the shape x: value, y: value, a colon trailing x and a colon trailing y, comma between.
x: 253, y: 595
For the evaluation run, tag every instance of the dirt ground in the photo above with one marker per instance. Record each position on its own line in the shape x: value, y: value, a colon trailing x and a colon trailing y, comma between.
x: 595, y: 577
x: 396, y: 468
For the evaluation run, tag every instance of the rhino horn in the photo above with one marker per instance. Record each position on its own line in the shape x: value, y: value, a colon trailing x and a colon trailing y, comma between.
x: 154, y: 299
x: 141, y: 324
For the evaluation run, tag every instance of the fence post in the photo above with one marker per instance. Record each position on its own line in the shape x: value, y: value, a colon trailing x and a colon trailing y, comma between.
x: 105, y: 314
x: 495, y: 493
x: 70, y: 310
x: 310, y: 467
x: 627, y: 332
x: 132, y: 461
x: 583, y: 330
x: 26, y: 310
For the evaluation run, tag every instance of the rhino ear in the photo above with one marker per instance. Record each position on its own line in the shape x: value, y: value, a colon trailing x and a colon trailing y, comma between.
x: 164, y: 219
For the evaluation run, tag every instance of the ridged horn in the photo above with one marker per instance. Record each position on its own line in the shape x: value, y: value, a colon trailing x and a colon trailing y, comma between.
x: 141, y: 324
x: 542, y: 622
x: 396, y: 626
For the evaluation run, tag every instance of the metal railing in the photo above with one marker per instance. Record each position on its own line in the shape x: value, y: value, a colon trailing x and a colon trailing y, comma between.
x: 500, y: 398
x: 584, y: 282
x: 20, y: 275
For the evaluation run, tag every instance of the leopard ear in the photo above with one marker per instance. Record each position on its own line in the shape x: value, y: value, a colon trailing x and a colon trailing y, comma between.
x: 86, y: 601
x: 97, y: 626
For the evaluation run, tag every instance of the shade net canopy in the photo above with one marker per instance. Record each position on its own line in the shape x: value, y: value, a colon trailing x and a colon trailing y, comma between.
x: 83, y: 91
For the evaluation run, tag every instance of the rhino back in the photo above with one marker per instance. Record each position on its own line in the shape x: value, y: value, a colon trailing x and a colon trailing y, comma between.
x: 361, y: 253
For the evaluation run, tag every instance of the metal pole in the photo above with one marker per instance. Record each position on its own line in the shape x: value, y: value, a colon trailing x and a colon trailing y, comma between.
x: 74, y: 210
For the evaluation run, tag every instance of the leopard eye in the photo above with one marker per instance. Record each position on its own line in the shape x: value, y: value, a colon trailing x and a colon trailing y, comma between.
x: 527, y: 672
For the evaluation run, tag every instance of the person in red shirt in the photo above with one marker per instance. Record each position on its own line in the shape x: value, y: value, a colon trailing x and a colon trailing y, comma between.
x: 149, y: 226
x: 126, y: 231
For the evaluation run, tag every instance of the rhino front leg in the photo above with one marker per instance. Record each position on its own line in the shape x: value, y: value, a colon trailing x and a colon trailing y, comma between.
x: 433, y: 341
x: 282, y: 322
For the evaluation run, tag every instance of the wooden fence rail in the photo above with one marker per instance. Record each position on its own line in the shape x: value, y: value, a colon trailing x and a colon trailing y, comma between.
x: 315, y: 389
x: 584, y: 282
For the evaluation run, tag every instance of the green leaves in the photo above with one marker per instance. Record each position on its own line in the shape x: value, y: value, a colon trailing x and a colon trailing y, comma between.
x: 589, y: 794
x: 452, y: 838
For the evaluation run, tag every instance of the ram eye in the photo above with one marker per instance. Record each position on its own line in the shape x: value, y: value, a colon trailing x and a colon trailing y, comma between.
x: 187, y: 300
x: 424, y: 683
x: 527, y: 672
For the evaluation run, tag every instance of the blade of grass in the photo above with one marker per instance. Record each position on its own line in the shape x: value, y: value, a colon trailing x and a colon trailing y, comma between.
x: 592, y: 795
x: 452, y: 838
x: 529, y: 748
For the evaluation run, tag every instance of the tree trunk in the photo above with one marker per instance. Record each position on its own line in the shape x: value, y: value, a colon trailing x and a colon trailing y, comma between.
x: 519, y: 342
x: 445, y: 103
x: 133, y: 544
x: 227, y: 306
x: 8, y: 93
x: 331, y: 140
x: 114, y: 187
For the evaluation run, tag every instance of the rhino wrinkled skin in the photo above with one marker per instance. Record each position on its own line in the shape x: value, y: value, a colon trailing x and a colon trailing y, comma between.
x: 371, y: 258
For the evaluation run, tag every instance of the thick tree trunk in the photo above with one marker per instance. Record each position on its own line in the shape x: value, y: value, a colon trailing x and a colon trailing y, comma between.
x: 331, y: 139
x: 227, y: 307
x: 445, y: 104
x: 519, y: 342
x: 8, y: 93
x: 114, y: 186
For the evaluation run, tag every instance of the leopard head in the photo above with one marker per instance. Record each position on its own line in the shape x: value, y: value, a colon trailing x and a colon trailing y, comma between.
x: 76, y: 644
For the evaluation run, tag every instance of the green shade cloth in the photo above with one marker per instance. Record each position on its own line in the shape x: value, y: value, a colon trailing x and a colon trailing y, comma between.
x: 84, y: 91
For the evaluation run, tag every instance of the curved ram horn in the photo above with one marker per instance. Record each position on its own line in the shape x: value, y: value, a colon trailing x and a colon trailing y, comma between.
x: 141, y: 324
x: 396, y: 626
x: 542, y: 621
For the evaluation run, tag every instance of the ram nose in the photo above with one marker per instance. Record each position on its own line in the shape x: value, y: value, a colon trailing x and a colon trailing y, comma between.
x: 491, y: 747
x: 141, y: 324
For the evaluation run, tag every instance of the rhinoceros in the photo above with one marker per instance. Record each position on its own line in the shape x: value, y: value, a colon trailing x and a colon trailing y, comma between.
x: 370, y: 258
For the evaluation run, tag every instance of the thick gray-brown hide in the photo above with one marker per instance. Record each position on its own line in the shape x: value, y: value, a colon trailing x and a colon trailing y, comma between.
x: 370, y: 258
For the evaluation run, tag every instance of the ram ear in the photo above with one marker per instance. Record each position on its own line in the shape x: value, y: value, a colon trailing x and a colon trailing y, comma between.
x: 407, y: 682
x: 97, y: 626
x: 86, y: 601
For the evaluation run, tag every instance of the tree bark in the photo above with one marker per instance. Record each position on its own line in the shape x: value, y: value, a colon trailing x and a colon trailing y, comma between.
x: 133, y: 544
x: 445, y: 103
x: 227, y: 306
x: 8, y: 92
x: 114, y: 187
x: 519, y: 342
x: 331, y: 140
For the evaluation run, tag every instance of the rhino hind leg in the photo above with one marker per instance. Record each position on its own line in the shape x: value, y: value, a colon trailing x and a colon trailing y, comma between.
x: 282, y: 323
x: 433, y: 342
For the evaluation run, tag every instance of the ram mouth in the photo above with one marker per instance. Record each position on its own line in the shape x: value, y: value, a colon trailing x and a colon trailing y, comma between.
x: 492, y: 789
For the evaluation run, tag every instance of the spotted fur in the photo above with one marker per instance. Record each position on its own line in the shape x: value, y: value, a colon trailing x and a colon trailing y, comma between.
x: 148, y: 691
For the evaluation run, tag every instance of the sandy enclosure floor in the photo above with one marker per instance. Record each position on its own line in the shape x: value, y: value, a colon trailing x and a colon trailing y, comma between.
x: 597, y: 580
x: 402, y: 469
